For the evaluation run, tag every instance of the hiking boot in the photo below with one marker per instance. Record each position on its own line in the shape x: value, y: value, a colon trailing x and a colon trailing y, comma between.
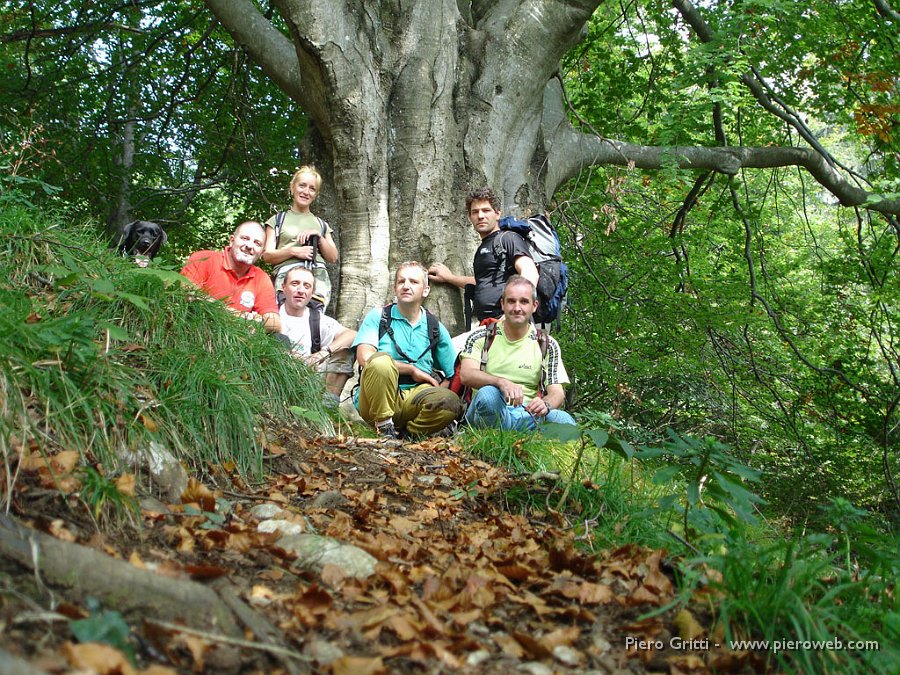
x: 448, y: 431
x: 387, y: 430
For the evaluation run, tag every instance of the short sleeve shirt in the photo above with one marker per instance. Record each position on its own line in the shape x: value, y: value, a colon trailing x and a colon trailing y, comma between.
x: 413, y: 340
x: 518, y: 361
x: 297, y: 330
x: 293, y: 226
x: 211, y: 271
x: 494, y: 263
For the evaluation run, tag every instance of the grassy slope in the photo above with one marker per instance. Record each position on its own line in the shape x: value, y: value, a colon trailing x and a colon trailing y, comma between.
x: 99, y: 355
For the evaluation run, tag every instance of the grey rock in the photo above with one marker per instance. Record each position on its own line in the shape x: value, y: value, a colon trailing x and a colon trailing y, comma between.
x: 330, y: 499
x: 277, y: 525
x: 322, y: 651
x: 169, y: 478
x: 314, y: 552
x: 265, y: 511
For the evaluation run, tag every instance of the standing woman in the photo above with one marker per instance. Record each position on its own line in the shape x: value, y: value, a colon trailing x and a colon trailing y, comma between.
x: 295, y: 237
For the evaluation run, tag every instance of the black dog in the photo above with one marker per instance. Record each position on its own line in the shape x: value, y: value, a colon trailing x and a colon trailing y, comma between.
x: 142, y: 238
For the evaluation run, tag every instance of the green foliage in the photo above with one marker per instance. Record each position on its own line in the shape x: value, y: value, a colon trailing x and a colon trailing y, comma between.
x: 213, y: 137
x: 799, y: 589
x: 706, y: 478
x: 106, y: 626
x: 761, y: 317
x: 110, y: 357
x: 103, y: 497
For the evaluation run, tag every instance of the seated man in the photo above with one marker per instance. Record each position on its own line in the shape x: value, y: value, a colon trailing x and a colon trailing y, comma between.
x: 399, y: 349
x: 232, y: 275
x: 320, y: 341
x: 519, y: 382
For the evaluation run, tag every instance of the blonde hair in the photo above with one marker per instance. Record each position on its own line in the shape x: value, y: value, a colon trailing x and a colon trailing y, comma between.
x: 306, y: 168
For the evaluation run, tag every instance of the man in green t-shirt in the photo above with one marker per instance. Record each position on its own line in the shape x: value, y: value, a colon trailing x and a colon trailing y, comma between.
x: 519, y: 386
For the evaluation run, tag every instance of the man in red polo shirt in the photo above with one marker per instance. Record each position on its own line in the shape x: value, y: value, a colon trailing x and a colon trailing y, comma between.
x: 232, y: 276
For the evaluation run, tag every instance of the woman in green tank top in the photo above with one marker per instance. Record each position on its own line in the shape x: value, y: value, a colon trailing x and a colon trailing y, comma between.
x: 297, y: 237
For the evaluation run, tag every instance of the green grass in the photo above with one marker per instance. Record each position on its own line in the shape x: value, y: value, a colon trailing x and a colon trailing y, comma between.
x: 760, y: 582
x: 101, y: 356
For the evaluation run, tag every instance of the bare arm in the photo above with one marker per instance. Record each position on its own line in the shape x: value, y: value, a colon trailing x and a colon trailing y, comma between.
x: 328, y: 249
x: 275, y: 256
x: 440, y: 273
x: 472, y: 376
x: 526, y: 267
x: 343, y: 340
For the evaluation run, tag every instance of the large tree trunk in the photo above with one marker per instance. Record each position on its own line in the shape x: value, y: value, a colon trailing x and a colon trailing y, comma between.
x: 417, y: 101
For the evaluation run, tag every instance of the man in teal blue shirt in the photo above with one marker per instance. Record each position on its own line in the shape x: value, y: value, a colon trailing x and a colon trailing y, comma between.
x: 405, y: 354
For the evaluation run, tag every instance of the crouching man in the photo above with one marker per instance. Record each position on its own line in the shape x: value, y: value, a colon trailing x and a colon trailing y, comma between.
x: 516, y: 371
x: 232, y: 275
x: 400, y: 349
x: 320, y: 341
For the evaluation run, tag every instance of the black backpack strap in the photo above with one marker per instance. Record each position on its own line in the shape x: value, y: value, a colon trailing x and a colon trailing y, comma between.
x: 279, y: 224
x: 544, y: 342
x: 315, y: 332
x: 384, y: 328
x: 434, y: 336
x: 468, y: 303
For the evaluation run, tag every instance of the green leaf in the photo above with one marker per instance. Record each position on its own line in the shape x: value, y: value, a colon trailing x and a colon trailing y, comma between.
x: 136, y: 300
x: 560, y: 432
x: 693, y: 493
x: 107, y: 627
x: 665, y: 475
x: 116, y: 332
x: 598, y: 436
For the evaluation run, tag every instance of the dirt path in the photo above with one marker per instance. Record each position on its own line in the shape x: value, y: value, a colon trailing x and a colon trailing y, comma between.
x: 461, y: 584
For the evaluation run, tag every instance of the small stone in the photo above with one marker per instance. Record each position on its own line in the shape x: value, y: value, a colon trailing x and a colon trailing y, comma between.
x: 566, y: 655
x: 265, y: 511
x: 330, y: 499
x: 434, y: 480
x: 535, y: 668
x: 153, y: 505
x: 285, y: 527
x: 322, y: 651
x: 477, y: 658
x: 314, y: 552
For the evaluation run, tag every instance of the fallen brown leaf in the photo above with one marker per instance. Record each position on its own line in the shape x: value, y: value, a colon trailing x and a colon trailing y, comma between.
x: 97, y: 658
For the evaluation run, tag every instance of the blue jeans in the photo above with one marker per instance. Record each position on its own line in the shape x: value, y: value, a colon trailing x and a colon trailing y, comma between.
x: 488, y: 409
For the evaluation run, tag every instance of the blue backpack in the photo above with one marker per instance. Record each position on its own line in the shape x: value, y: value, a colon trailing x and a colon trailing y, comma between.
x: 545, y: 250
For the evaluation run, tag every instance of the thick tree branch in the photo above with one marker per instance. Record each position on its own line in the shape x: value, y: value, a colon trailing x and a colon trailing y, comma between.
x: 884, y: 8
x: 271, y: 49
x: 570, y: 151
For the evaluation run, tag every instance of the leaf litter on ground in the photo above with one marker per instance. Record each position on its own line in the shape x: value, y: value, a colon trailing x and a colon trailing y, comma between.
x: 459, y: 581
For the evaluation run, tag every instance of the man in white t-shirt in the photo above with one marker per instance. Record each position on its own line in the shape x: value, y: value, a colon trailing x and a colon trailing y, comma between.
x: 327, y: 349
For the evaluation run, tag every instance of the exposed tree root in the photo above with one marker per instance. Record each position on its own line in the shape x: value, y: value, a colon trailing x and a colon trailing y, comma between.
x: 118, y: 584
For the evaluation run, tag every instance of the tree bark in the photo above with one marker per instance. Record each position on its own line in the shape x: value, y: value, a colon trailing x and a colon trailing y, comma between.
x: 117, y: 583
x: 416, y: 102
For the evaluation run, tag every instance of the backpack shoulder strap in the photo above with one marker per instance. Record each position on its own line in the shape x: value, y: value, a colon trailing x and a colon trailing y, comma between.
x: 544, y: 343
x: 279, y: 224
x: 323, y: 225
x: 384, y: 326
x: 488, y: 341
x: 315, y: 330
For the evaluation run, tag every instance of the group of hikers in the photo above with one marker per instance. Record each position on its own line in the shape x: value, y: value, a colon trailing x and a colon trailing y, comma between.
x: 411, y: 381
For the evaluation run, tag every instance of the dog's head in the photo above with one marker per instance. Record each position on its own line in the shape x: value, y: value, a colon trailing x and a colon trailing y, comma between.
x: 142, y: 237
